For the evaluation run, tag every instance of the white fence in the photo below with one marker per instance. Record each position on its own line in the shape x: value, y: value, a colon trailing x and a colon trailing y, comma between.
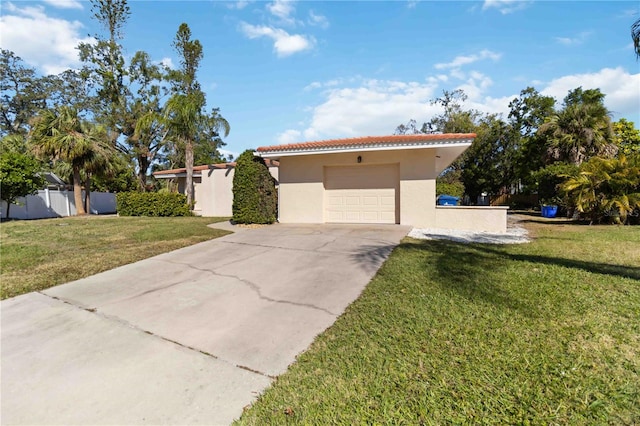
x: 53, y: 203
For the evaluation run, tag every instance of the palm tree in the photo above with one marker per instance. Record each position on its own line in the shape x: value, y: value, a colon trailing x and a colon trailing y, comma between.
x: 98, y: 159
x: 183, y: 116
x: 578, y: 132
x: 61, y: 135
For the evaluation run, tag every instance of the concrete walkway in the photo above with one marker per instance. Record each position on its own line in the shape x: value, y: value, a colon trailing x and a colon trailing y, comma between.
x: 187, y: 337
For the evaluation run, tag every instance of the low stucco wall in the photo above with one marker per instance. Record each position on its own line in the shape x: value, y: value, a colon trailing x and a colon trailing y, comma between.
x: 472, y: 218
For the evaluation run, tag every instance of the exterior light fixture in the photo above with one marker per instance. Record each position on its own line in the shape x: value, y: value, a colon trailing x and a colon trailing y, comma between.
x: 359, y: 159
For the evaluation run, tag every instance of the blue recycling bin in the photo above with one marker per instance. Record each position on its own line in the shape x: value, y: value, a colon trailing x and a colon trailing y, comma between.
x: 447, y: 200
x: 549, y: 211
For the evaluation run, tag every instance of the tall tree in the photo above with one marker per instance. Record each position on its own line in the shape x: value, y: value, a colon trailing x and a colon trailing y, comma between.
x: 62, y: 135
x: 487, y: 165
x: 185, y: 106
x: 581, y: 130
x: 527, y: 113
x: 147, y: 135
x: 71, y: 88
x: 105, y: 64
x: 207, y: 150
x: 454, y: 118
x: 23, y: 94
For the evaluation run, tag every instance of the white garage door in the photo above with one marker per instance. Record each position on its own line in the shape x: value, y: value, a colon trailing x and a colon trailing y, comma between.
x: 361, y: 194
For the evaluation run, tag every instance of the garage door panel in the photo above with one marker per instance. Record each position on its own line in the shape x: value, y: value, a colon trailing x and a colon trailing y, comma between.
x: 388, y: 201
x: 351, y: 216
x: 351, y: 200
x: 370, y: 216
x: 370, y: 201
x: 388, y: 217
x: 361, y: 194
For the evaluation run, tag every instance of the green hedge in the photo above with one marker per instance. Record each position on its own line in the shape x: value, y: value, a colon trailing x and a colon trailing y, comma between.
x: 254, y: 192
x: 152, y: 204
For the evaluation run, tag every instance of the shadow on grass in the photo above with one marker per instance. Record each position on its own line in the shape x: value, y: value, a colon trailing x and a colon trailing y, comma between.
x: 475, y: 271
x: 371, y: 257
x: 593, y: 267
x: 466, y: 269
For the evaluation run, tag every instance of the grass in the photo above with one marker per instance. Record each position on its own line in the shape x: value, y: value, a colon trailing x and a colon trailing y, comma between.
x: 447, y: 333
x: 38, y: 254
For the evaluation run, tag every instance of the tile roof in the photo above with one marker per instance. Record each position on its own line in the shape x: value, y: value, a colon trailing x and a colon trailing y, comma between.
x: 270, y: 163
x: 366, y: 141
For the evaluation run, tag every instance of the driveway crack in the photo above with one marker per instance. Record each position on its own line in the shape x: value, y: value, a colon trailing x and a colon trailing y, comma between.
x: 151, y: 333
x: 298, y: 249
x: 256, y: 289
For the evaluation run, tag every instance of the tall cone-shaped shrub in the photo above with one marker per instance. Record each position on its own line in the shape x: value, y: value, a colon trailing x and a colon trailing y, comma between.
x: 254, y: 191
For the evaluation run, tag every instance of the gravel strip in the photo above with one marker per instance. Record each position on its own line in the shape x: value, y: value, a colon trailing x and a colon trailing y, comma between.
x: 515, y: 235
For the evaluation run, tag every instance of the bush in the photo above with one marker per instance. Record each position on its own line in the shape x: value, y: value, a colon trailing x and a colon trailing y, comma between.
x: 456, y: 189
x: 254, y: 191
x: 606, y: 190
x: 152, y: 204
x: 18, y: 177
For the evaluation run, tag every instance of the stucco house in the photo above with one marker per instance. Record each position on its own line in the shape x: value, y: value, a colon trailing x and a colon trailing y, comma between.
x: 212, y: 186
x: 377, y: 179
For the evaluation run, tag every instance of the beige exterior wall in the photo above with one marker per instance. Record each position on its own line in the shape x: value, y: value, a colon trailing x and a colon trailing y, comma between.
x: 213, y: 191
x: 472, y: 218
x: 301, y: 194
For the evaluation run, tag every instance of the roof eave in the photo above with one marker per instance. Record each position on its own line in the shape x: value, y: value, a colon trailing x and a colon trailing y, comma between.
x: 366, y: 147
x: 175, y: 175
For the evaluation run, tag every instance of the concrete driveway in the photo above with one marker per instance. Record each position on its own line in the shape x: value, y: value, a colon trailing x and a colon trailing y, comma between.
x: 187, y: 337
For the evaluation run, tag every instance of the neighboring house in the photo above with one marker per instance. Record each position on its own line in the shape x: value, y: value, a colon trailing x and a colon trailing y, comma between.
x: 378, y: 179
x: 212, y: 186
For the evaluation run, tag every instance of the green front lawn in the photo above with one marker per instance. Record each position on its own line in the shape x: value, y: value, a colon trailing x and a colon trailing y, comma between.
x: 38, y: 254
x: 448, y: 333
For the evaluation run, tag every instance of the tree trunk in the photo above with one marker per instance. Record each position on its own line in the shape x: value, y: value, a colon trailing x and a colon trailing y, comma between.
x: 87, y: 194
x: 188, y: 159
x: 77, y: 191
x: 8, y: 207
x: 143, y: 166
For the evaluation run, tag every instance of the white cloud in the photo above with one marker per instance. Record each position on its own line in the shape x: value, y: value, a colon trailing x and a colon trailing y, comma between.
x: 411, y: 4
x: 375, y: 107
x: 282, y: 9
x: 64, y: 4
x: 505, y: 6
x: 42, y: 41
x: 621, y: 89
x: 241, y: 4
x: 573, y: 41
x: 289, y: 136
x: 359, y: 107
x: 331, y: 83
x: 318, y: 20
x: 285, y: 44
x: 458, y: 61
x: 312, y: 86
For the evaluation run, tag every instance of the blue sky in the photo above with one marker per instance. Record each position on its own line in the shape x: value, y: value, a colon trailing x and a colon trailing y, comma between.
x: 286, y: 72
